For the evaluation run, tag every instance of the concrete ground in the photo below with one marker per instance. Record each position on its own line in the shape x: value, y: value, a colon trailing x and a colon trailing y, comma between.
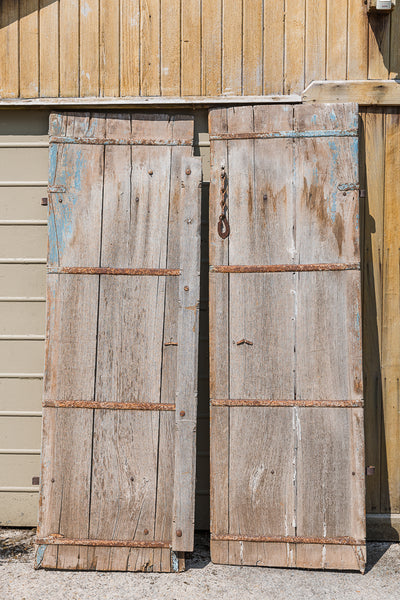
x: 201, y: 581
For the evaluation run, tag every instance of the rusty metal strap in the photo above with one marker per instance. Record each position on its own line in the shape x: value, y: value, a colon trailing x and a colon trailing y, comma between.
x: 62, y: 541
x: 353, y: 266
x: 112, y: 271
x: 291, y: 403
x: 154, y: 406
x: 118, y: 142
x: 323, y: 133
x: 288, y: 539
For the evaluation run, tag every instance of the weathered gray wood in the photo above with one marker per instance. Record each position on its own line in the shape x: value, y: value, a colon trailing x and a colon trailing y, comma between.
x: 144, y: 207
x: 299, y: 338
x: 187, y: 356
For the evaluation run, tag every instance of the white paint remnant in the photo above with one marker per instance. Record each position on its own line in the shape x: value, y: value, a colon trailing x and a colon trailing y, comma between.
x: 85, y: 9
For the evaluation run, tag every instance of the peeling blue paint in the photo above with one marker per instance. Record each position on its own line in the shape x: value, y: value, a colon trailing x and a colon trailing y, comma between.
x: 314, y: 119
x: 333, y: 199
x: 333, y: 116
x: 39, y: 555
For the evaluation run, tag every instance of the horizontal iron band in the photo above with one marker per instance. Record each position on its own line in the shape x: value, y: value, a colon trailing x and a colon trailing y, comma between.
x: 288, y: 539
x: 353, y: 266
x: 118, y: 142
x: 154, y: 406
x: 292, y: 403
x: 61, y: 541
x: 112, y: 271
x: 285, y: 134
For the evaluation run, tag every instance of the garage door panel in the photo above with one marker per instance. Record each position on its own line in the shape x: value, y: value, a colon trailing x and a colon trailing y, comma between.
x: 19, y: 280
x: 20, y: 432
x: 23, y: 164
x: 21, y: 468
x: 23, y: 203
x: 22, y: 318
x: 21, y: 394
x: 28, y: 241
x: 22, y: 356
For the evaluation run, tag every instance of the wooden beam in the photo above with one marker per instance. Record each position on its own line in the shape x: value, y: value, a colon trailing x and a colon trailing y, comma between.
x: 144, y: 101
x: 363, y: 92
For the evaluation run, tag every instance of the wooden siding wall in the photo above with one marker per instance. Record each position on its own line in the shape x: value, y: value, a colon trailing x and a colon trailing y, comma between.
x: 81, y: 48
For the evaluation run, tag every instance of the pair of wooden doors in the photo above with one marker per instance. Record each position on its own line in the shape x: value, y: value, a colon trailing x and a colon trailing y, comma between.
x: 118, y: 465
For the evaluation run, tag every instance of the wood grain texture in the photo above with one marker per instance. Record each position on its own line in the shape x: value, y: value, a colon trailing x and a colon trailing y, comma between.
x: 129, y: 48
x: 316, y: 58
x: 191, y: 48
x: 69, y: 48
x: 291, y: 340
x: 28, y: 51
x: 49, y: 74
x: 211, y: 39
x: 89, y: 48
x: 159, y: 48
x: 171, y: 50
x: 9, y: 49
x: 149, y: 48
x: 106, y: 339
x: 390, y: 497
x: 373, y: 231
x: 110, y: 76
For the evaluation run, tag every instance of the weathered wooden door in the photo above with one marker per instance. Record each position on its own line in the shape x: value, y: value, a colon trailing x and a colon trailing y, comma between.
x: 117, y: 486
x: 287, y: 456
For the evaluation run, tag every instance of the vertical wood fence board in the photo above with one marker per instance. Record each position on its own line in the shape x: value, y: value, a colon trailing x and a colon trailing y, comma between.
x: 315, y: 52
x: 336, y: 52
x: 127, y: 465
x: 357, y: 41
x: 284, y: 302
x: 49, y: 49
x: 129, y: 48
x: 211, y: 47
x: 390, y: 497
x: 273, y: 44
x: 171, y: 48
x: 150, y: 48
x: 110, y: 76
x: 69, y: 48
x: 89, y: 48
x: 9, y: 49
x: 28, y: 50
x: 373, y: 231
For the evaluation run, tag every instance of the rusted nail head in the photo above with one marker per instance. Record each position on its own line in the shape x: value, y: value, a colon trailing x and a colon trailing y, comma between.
x: 186, y: 288
x: 52, y: 480
x: 150, y: 172
x: 178, y: 533
x: 353, y: 473
x: 188, y: 171
x: 132, y: 479
x: 60, y: 199
x: 146, y: 532
x: 182, y: 413
x: 272, y: 472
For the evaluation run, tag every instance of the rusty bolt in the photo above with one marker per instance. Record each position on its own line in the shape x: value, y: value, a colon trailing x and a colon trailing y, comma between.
x: 186, y: 288
x: 150, y: 172
x: 272, y: 472
x: 146, y: 532
x: 137, y: 199
x: 60, y: 199
x: 344, y: 193
x: 132, y: 479
x: 178, y: 533
x: 52, y: 480
x: 353, y: 473
x: 182, y: 413
x: 188, y: 171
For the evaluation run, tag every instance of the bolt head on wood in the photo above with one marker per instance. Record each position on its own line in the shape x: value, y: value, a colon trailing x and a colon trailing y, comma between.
x: 182, y: 413
x: 150, y: 172
x: 146, y: 532
x: 178, y: 533
x: 188, y: 171
x: 186, y: 288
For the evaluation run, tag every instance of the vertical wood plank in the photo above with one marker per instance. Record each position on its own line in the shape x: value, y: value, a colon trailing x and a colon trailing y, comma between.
x: 49, y: 49
x: 150, y: 48
x: 390, y: 497
x: 253, y: 47
x: 171, y: 48
x: 211, y: 47
x: 315, y: 66
x: 232, y: 47
x: 191, y: 48
x: 29, y: 48
x: 69, y: 48
x: 274, y: 30
x: 219, y: 348
x: 395, y: 44
x: 89, y: 48
x: 294, y: 47
x: 9, y: 49
x: 378, y: 46
x: 357, y: 41
x: 109, y: 48
x: 188, y: 331
x: 374, y: 157
x: 336, y: 52
x: 129, y: 47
